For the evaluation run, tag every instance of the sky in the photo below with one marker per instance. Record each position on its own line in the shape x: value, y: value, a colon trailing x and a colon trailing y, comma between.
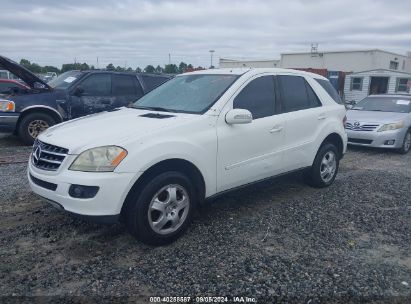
x: 141, y: 32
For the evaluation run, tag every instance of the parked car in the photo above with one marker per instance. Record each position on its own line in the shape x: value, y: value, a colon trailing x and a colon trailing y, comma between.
x: 381, y: 121
x: 198, y: 135
x: 4, y: 74
x: 71, y: 95
x: 8, y: 86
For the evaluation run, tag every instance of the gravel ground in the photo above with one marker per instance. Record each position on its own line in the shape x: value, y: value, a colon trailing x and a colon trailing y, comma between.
x: 276, y: 241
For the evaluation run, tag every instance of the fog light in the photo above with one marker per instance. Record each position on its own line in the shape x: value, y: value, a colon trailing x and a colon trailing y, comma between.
x: 389, y: 142
x: 79, y: 191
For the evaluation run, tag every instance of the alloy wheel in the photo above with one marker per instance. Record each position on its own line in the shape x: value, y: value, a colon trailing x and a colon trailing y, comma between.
x: 328, y: 166
x: 407, y: 142
x: 168, y: 209
x: 35, y: 127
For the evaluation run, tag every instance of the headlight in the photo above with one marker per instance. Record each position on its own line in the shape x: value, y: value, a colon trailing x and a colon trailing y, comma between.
x: 7, y: 106
x: 391, y: 126
x: 101, y: 159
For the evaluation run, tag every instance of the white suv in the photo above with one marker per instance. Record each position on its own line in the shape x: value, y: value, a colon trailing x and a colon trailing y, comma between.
x: 194, y: 137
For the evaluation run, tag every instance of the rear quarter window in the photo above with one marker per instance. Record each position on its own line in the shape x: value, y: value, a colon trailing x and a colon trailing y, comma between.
x: 327, y: 86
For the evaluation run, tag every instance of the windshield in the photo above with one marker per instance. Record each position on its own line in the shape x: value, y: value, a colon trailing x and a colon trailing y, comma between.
x: 384, y: 104
x: 65, y: 80
x: 188, y: 94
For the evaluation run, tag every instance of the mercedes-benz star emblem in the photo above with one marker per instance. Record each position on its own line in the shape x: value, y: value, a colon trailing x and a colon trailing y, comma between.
x: 36, y: 155
x: 356, y: 123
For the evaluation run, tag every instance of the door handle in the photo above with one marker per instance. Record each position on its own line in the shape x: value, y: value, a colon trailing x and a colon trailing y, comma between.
x: 276, y: 129
x: 322, y: 116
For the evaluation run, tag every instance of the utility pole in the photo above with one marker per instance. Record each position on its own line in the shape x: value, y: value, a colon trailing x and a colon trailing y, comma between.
x: 169, y: 58
x: 211, y: 58
x: 97, y: 64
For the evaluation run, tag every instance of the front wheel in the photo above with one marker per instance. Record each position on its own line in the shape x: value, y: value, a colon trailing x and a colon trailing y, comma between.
x: 406, y: 144
x: 325, y: 167
x: 32, y: 125
x: 162, y: 210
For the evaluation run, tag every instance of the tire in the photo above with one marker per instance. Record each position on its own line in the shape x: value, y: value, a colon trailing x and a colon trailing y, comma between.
x: 406, y: 144
x: 323, y: 171
x: 152, y: 212
x: 32, y: 124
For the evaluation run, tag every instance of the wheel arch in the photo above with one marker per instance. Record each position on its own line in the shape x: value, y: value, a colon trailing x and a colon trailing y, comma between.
x: 39, y: 109
x: 335, y: 139
x: 174, y: 164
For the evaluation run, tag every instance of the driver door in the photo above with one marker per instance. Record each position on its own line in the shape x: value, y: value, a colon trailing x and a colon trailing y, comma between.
x: 92, y: 95
x: 250, y: 152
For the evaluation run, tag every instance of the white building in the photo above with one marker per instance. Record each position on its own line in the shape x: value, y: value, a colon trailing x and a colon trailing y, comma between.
x: 249, y: 63
x: 348, y: 61
x: 361, y: 84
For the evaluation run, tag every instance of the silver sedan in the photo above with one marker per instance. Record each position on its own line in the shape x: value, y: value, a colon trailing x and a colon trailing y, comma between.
x: 381, y: 121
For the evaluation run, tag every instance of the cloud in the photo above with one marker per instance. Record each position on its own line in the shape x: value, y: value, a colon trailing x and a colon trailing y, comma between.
x: 137, y: 33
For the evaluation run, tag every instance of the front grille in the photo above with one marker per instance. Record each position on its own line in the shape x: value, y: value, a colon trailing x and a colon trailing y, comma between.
x: 360, y: 141
x: 43, y: 184
x: 46, y: 156
x: 360, y: 127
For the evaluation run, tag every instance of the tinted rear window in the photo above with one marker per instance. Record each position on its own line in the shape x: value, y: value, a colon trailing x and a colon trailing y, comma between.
x: 123, y: 85
x: 296, y: 94
x: 330, y: 90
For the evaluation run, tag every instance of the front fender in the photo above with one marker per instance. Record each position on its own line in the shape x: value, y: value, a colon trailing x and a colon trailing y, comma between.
x: 147, y: 155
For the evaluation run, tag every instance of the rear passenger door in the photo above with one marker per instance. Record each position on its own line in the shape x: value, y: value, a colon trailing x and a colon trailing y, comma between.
x: 304, y: 117
x: 125, y: 89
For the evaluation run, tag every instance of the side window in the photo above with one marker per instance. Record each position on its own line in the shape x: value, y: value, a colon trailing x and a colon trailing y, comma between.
x: 97, y: 85
x: 151, y: 82
x: 123, y: 85
x: 312, y: 97
x: 297, y: 94
x: 257, y: 97
x: 330, y: 90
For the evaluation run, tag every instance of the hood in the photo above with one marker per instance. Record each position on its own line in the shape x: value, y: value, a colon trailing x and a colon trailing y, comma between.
x: 374, y: 116
x: 21, y: 72
x: 109, y: 128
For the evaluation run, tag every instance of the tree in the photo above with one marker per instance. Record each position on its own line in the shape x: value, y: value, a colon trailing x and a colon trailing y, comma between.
x: 182, y: 67
x: 129, y: 69
x: 149, y: 69
x: 49, y: 68
x: 119, y: 69
x: 170, y: 69
x: 110, y: 66
x: 138, y: 70
x: 74, y: 66
x: 159, y: 69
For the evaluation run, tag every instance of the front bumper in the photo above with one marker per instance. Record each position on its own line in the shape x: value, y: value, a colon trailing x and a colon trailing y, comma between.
x: 8, y: 121
x: 105, y: 206
x: 377, y: 139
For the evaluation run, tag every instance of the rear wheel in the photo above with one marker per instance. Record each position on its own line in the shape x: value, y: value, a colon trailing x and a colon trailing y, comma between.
x: 32, y: 125
x: 406, y: 145
x: 162, y: 210
x: 325, y: 167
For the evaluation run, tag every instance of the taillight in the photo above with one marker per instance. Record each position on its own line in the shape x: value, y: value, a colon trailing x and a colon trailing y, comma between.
x: 344, y: 120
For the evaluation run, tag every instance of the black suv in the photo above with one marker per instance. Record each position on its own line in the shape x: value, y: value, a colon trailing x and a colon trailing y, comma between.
x: 71, y: 95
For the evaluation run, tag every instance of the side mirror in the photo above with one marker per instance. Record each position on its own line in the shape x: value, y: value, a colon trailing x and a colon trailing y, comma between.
x: 78, y: 91
x: 238, y: 116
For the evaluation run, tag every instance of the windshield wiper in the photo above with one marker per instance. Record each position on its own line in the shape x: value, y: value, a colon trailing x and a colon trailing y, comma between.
x: 153, y: 109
